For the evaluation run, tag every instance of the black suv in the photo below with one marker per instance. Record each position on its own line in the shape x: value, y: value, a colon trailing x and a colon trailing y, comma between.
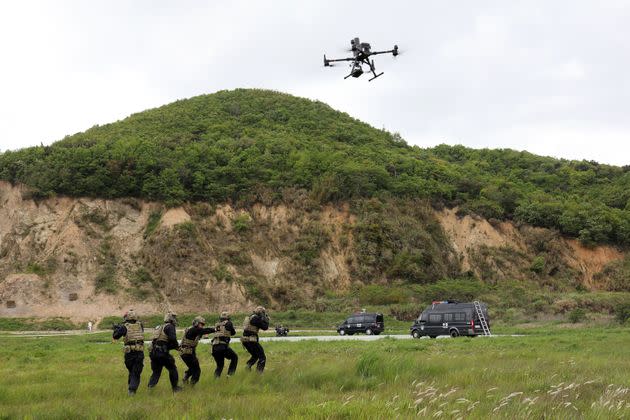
x: 449, y: 318
x: 369, y: 323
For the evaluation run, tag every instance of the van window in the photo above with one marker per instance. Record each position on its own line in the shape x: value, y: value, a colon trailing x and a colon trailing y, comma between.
x: 448, y: 317
x: 460, y: 316
x: 435, y: 318
x: 353, y: 320
x: 379, y: 318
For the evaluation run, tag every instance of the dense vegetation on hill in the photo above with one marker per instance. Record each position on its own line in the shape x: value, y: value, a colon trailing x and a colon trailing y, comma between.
x: 251, y: 145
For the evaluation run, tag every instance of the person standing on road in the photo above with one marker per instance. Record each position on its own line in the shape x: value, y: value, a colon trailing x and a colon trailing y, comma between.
x: 188, y: 348
x: 258, y: 320
x: 164, y: 340
x: 221, y: 345
x: 133, y: 333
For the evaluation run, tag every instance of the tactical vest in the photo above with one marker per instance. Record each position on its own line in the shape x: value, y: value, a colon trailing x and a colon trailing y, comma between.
x: 188, y: 346
x: 134, y: 339
x: 221, y: 332
x: 247, y: 326
x: 159, y: 335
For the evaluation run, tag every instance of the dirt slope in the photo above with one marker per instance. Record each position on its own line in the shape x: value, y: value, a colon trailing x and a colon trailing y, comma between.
x: 88, y: 258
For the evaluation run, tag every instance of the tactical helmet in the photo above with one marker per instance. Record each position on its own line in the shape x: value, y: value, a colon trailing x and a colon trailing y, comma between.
x: 224, y: 315
x: 130, y: 315
x: 170, y: 317
x: 198, y: 320
x: 260, y: 310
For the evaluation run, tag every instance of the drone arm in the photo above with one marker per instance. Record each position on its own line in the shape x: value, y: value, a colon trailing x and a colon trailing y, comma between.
x: 394, y: 51
x: 331, y: 60
x: 384, y: 52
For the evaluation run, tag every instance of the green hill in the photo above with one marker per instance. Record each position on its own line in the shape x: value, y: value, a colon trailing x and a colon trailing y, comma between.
x: 246, y: 146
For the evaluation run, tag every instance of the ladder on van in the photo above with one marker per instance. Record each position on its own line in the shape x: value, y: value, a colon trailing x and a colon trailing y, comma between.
x: 482, y: 318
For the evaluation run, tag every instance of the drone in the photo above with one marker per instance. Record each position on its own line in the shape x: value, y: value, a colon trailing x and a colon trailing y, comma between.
x: 361, y: 55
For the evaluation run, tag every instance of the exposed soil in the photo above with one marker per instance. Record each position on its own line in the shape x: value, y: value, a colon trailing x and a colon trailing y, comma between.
x: 55, y: 252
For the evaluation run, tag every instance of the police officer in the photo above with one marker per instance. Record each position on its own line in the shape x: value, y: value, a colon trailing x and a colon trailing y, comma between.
x: 221, y: 345
x: 258, y: 320
x: 188, y: 348
x: 133, y: 333
x: 164, y: 340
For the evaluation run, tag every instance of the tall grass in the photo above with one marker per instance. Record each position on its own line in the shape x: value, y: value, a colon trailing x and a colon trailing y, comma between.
x: 570, y: 374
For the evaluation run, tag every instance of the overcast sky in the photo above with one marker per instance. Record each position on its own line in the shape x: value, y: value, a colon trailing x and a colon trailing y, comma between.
x: 550, y: 77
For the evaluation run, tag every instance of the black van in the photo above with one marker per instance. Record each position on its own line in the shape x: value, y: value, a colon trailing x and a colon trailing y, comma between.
x: 449, y: 318
x: 369, y: 323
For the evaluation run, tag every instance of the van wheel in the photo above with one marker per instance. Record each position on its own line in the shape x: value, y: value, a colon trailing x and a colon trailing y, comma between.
x: 342, y: 332
x: 369, y: 332
x: 415, y: 334
x: 454, y: 333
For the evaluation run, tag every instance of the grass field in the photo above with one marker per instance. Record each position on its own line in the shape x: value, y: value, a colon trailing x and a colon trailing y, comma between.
x: 551, y: 373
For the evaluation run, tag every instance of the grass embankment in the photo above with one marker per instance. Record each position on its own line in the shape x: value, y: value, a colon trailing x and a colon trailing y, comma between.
x: 565, y: 374
x: 38, y: 324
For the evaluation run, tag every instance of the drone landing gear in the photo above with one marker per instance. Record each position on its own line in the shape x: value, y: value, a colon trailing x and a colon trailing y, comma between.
x: 376, y: 75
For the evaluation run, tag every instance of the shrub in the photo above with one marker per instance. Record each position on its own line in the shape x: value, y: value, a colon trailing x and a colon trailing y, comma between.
x: 622, y: 312
x: 35, y: 268
x: 577, y: 315
x: 241, y: 223
x: 538, y: 264
x: 309, y: 244
x: 564, y: 305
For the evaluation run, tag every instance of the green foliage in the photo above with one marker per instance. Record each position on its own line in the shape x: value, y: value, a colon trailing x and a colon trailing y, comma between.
x: 250, y: 145
x: 255, y: 291
x: 309, y: 244
x: 34, y: 324
x: 242, y: 222
x: 153, y: 223
x: 35, y: 268
x: 221, y: 273
x: 402, y: 240
x: 617, y: 274
x: 538, y: 264
x: 105, y: 280
x: 622, y: 312
x: 577, y: 315
x: 141, y: 277
x: 187, y: 229
x: 382, y: 295
x: 142, y: 284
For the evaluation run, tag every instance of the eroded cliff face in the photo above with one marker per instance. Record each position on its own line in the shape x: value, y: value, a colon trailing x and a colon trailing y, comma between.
x: 88, y: 258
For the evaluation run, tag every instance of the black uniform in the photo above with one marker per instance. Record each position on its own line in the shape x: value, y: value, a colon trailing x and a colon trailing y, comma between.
x: 253, y: 347
x: 134, y: 360
x: 194, y: 370
x: 222, y: 351
x: 161, y: 358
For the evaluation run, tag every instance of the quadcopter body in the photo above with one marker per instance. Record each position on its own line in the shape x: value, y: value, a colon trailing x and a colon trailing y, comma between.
x: 361, y: 52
